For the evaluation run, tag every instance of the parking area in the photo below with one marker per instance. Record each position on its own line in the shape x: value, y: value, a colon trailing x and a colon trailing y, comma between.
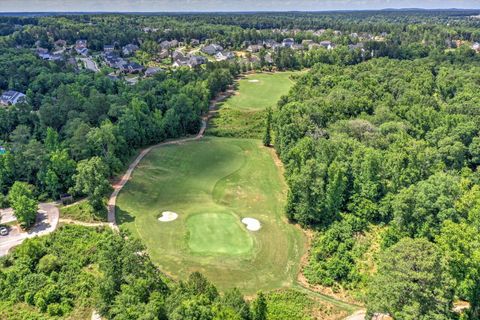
x: 47, y: 220
x: 6, y: 216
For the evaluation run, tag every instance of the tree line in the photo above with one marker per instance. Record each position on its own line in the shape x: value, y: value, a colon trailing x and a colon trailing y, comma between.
x: 394, y: 146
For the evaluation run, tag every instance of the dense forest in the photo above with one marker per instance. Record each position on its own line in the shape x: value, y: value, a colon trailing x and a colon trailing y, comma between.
x: 82, y: 267
x: 380, y: 143
x: 388, y: 146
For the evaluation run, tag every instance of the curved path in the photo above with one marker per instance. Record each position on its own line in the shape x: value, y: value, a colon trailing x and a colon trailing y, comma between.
x: 47, y: 221
x: 117, y: 187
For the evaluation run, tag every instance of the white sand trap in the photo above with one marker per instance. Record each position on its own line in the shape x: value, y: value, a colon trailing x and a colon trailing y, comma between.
x: 252, y: 224
x: 254, y: 80
x: 168, y: 216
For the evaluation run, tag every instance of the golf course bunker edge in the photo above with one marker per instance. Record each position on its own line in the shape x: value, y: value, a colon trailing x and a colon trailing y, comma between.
x: 168, y: 216
x: 252, y: 224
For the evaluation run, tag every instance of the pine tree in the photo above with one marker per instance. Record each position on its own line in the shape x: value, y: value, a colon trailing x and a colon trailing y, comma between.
x: 268, y: 128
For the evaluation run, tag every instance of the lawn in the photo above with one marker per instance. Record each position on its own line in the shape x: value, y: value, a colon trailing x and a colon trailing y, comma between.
x: 212, y: 184
x: 259, y: 91
x: 244, y: 113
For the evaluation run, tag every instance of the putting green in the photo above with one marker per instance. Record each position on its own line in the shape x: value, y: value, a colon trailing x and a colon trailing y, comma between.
x: 217, y: 233
x: 213, y: 184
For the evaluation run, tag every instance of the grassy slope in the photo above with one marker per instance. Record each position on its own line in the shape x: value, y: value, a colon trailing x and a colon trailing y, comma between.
x: 243, y: 114
x: 216, y: 175
x: 82, y: 211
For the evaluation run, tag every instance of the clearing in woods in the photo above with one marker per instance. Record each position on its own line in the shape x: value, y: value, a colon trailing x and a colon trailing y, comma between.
x: 243, y: 115
x: 212, y: 184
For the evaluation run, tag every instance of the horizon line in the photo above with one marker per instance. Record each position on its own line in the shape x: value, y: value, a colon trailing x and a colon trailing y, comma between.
x: 246, y: 11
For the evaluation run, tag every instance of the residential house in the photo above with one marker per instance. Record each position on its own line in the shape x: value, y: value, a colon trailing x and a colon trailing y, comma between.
x: 60, y: 43
x: 196, y: 61
x: 327, y: 44
x: 108, y: 48
x: 43, y: 53
x: 224, y: 55
x: 271, y: 44
x: 81, y: 44
x: 169, y: 44
x: 132, y: 67
x: 163, y: 54
x: 177, y: 55
x: 288, y: 43
x: 114, y: 61
x: 152, y: 71
x: 194, y: 42
x: 46, y: 55
x: 476, y: 46
x: 129, y: 49
x: 181, y: 62
x: 212, y: 49
x: 12, y: 97
x: 254, y: 48
x: 358, y: 46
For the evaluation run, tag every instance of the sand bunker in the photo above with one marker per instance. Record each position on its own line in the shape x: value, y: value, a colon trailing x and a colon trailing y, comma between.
x: 253, y: 80
x: 252, y: 224
x: 168, y: 216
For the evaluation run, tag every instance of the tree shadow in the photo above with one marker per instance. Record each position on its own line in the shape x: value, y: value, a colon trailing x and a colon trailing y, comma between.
x: 123, y: 216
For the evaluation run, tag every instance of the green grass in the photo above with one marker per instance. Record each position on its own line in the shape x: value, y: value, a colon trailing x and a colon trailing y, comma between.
x: 243, y: 114
x: 293, y: 304
x: 212, y: 184
x: 259, y: 91
x: 217, y: 233
x: 82, y: 211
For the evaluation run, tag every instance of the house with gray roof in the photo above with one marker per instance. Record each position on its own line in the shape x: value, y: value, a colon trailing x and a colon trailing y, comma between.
x: 212, y: 49
x: 12, y: 97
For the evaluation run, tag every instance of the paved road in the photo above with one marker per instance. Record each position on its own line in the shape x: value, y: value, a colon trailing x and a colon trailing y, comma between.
x: 47, y: 220
x: 90, y: 64
x: 117, y: 187
x: 6, y: 216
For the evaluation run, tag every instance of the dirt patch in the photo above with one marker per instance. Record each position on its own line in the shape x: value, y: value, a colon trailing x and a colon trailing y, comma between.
x: 254, y: 81
x: 168, y: 216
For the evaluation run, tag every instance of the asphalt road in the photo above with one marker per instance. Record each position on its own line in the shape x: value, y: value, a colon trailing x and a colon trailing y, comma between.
x: 47, y: 220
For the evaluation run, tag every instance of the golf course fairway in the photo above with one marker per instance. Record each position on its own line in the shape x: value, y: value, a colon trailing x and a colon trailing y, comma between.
x: 212, y: 184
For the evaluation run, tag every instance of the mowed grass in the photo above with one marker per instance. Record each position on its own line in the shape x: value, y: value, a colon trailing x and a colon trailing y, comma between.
x: 243, y: 114
x: 259, y: 91
x: 217, y: 233
x: 212, y: 184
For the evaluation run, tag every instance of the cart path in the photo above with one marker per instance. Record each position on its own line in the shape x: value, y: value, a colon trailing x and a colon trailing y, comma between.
x: 117, y: 187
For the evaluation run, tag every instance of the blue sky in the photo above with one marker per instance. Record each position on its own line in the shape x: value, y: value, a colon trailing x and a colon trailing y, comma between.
x: 224, y: 5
